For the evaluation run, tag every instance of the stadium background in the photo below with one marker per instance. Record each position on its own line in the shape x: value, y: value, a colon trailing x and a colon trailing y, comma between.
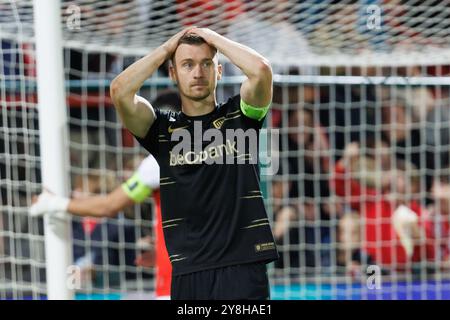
x: 345, y: 71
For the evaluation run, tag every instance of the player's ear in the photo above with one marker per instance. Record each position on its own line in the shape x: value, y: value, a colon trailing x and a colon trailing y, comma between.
x: 172, y: 73
x: 219, y: 72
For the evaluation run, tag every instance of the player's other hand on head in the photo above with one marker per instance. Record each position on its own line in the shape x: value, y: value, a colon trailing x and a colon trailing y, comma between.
x: 48, y: 202
x: 205, y: 33
x: 172, y: 44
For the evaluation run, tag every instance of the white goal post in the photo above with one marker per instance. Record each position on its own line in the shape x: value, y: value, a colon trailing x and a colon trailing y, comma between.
x: 53, y: 138
x: 343, y: 70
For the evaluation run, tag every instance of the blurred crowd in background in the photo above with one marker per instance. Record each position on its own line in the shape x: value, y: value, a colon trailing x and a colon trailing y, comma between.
x: 364, y: 172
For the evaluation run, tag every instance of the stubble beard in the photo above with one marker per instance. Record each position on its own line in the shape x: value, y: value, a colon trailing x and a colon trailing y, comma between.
x: 196, y: 97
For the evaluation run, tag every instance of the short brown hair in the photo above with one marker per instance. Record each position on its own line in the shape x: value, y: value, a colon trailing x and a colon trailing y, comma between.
x: 191, y: 39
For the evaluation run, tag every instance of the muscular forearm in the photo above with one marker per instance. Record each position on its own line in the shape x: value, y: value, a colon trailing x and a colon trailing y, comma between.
x: 136, y: 112
x: 128, y: 83
x: 248, y: 60
x: 130, y: 80
x: 93, y: 207
x: 257, y: 89
x: 101, y: 205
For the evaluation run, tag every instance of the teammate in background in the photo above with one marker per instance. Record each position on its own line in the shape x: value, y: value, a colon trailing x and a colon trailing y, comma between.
x: 143, y: 183
x: 215, y: 224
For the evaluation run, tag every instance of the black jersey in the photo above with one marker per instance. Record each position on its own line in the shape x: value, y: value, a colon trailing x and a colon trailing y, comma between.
x: 213, y: 213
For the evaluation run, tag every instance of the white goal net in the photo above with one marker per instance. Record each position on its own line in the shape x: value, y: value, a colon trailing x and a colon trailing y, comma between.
x: 362, y: 101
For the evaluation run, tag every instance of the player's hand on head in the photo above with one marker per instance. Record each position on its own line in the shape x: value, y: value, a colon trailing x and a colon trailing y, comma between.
x: 48, y: 202
x: 205, y: 33
x: 172, y: 44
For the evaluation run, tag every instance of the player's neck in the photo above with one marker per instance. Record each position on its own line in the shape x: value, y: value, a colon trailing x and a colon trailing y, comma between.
x: 194, y: 108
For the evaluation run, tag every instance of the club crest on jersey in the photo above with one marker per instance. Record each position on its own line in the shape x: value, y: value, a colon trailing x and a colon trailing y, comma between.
x: 218, y: 122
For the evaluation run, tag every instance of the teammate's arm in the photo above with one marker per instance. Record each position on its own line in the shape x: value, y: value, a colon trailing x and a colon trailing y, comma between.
x: 101, y: 205
x: 256, y: 90
x: 134, y: 190
x: 136, y: 112
x: 93, y: 206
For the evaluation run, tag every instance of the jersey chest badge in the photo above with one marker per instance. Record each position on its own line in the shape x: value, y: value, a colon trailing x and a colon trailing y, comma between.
x: 218, y: 122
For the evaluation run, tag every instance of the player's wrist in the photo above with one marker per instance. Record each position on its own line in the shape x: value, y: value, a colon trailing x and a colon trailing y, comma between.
x: 166, y: 50
x: 51, y: 204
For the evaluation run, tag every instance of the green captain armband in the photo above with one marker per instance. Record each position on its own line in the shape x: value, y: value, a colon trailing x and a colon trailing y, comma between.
x: 254, y: 112
x: 135, y: 189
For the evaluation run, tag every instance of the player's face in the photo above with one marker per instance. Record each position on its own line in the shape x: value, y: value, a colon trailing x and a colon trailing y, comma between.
x: 196, y: 71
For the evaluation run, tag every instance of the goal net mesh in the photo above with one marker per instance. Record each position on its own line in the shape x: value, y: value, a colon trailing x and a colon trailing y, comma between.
x: 370, y: 72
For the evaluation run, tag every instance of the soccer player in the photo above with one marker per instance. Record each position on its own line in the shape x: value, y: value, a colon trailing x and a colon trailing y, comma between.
x: 143, y: 183
x: 215, y: 224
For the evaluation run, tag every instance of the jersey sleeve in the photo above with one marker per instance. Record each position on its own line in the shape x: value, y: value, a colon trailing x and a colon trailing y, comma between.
x: 149, y: 172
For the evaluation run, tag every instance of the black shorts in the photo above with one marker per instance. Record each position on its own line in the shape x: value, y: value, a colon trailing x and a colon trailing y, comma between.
x: 237, y: 282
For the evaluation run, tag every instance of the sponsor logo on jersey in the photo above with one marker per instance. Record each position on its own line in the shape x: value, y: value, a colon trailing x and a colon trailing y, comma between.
x: 207, y: 155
